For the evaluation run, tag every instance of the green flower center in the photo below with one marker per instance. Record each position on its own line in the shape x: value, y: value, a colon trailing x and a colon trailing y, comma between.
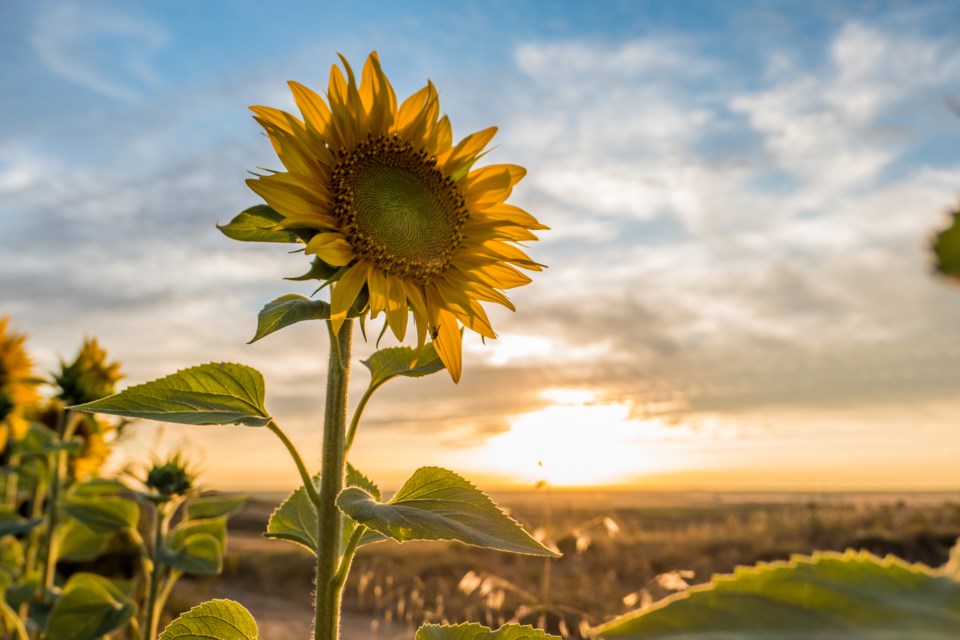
x: 397, y: 209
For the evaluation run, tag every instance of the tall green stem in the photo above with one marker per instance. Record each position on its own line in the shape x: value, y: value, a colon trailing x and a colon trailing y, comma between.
x: 152, y: 615
x: 329, y: 589
x: 57, y: 462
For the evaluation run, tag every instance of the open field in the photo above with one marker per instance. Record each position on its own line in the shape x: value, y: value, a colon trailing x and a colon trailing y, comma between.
x: 620, y: 550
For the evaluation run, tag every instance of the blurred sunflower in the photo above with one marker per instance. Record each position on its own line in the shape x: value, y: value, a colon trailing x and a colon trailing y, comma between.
x: 397, y: 208
x: 89, y: 377
x: 17, y: 391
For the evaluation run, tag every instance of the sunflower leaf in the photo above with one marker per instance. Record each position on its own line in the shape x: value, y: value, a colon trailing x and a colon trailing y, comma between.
x: 287, y: 310
x: 296, y: 517
x: 213, y: 506
x: 90, y: 607
x: 104, y: 514
x: 12, y: 523
x: 258, y: 224
x: 436, y: 504
x: 829, y: 595
x: 386, y: 364
x: 199, y: 554
x: 221, y: 619
x: 216, y: 393
x: 476, y: 631
x: 946, y: 249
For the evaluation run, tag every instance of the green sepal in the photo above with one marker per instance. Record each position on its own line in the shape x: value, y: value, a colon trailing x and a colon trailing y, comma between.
x: 219, y: 619
x: 199, y: 554
x: 387, y: 364
x: 476, y: 631
x: 213, y: 506
x: 826, y: 596
x: 12, y: 523
x: 946, y: 249
x: 89, y: 607
x: 296, y: 520
x: 209, y: 394
x: 287, y: 310
x: 436, y: 504
x: 103, y: 514
x: 258, y: 224
x: 319, y: 270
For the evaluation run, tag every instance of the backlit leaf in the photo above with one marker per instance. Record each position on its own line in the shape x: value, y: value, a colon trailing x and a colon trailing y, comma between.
x: 287, y: 310
x: 853, y: 595
x: 256, y: 224
x: 12, y: 523
x: 89, y: 607
x: 475, y: 631
x: 436, y: 504
x: 296, y: 517
x: 946, y: 249
x: 386, y: 364
x: 219, y: 619
x: 104, y: 514
x: 216, y: 527
x: 214, y: 506
x: 78, y: 542
x: 216, y: 393
x: 199, y: 554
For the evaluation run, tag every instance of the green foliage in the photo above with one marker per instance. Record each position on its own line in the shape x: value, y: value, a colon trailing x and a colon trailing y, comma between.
x: 387, y: 364
x: 296, y: 517
x: 946, y: 249
x: 11, y: 523
x: 436, y: 504
x: 474, y: 631
x: 78, y: 542
x: 220, y: 619
x: 213, y: 506
x: 199, y: 554
x: 89, y: 607
x: 287, y: 310
x: 216, y: 393
x: 257, y: 224
x: 830, y: 595
x: 96, y: 487
x: 104, y: 514
x: 215, y: 527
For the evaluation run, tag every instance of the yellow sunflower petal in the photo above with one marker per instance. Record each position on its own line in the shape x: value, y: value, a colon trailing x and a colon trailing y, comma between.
x: 397, y: 311
x: 378, y: 285
x: 448, y: 343
x: 345, y: 293
x: 332, y: 248
x: 410, y: 109
x: 314, y: 109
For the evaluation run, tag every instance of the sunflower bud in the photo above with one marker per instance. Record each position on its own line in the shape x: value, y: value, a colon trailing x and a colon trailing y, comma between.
x: 89, y: 377
x: 170, y: 478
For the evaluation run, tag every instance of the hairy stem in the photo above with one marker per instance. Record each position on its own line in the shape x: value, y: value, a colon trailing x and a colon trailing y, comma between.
x: 341, y: 577
x: 327, y: 621
x: 152, y: 615
x: 302, y: 468
x: 355, y: 421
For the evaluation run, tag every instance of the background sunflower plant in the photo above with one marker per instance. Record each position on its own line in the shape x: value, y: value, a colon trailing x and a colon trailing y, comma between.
x: 399, y: 221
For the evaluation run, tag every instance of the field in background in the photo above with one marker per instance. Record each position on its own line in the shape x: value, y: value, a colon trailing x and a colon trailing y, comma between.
x: 621, y: 550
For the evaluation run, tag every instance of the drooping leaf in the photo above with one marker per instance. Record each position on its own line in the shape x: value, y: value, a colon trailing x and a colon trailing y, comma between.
x: 214, y: 506
x: 216, y: 393
x: 257, y: 224
x: 436, y: 504
x: 827, y: 596
x: 104, y: 514
x: 946, y: 249
x: 89, y: 607
x: 219, y: 619
x: 12, y: 523
x: 287, y: 310
x: 78, y: 542
x: 199, y: 554
x: 475, y: 631
x: 296, y: 517
x: 386, y: 364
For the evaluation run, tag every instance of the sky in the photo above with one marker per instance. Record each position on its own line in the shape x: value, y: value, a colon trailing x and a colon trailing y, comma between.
x: 740, y: 195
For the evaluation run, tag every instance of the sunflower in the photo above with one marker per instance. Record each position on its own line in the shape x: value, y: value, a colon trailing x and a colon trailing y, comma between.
x: 397, y: 208
x: 16, y: 390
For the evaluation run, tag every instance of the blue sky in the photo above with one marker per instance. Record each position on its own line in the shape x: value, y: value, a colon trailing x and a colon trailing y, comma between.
x: 740, y: 197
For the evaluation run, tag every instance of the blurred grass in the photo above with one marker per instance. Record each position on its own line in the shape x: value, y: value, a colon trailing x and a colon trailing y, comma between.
x: 620, y: 551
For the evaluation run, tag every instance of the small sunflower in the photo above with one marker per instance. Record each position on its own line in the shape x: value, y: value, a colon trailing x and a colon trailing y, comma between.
x: 397, y: 207
x: 17, y: 391
x: 89, y: 377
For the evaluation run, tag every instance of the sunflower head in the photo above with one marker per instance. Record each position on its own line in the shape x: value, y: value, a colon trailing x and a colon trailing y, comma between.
x: 17, y: 390
x: 382, y: 195
x: 89, y: 377
x: 170, y: 478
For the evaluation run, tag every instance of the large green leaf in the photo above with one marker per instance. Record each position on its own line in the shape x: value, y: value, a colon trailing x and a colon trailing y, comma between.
x: 475, y: 631
x: 96, y: 487
x: 386, y: 364
x: 287, y: 310
x: 104, y: 514
x: 216, y: 527
x: 214, y: 506
x: 296, y: 517
x: 854, y: 595
x: 257, y: 224
x: 436, y: 504
x: 946, y: 249
x: 78, y: 542
x: 12, y: 523
x: 89, y: 607
x: 216, y: 393
x: 199, y: 554
x: 216, y: 619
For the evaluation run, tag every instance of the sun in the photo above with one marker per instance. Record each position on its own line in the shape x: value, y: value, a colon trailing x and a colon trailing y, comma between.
x: 577, y: 441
